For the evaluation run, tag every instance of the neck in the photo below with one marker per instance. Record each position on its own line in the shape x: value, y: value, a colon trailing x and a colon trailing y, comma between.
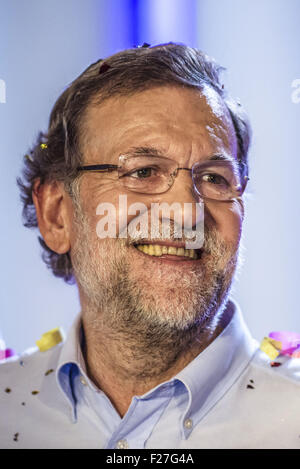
x: 124, y: 363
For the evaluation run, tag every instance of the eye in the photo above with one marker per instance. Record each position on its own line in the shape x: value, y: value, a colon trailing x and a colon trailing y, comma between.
x: 142, y: 173
x: 216, y: 179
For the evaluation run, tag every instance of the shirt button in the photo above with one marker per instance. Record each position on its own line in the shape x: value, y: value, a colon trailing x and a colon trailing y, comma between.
x: 83, y: 381
x: 188, y: 423
x: 122, y: 444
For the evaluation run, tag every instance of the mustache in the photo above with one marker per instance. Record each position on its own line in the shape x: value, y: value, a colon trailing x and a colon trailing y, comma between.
x: 212, y: 240
x: 171, y: 228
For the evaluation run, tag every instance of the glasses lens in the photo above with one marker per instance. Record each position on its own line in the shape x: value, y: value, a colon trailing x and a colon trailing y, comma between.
x: 146, y: 174
x: 217, y: 180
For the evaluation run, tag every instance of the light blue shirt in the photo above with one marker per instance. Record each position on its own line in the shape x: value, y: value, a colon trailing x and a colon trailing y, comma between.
x: 171, y: 411
x: 229, y: 396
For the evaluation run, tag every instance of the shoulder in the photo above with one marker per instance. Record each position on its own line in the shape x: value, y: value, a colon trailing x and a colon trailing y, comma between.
x: 284, y: 368
x: 271, y: 389
x: 35, y: 363
x: 261, y: 410
x: 29, y: 367
x: 24, y: 377
x: 30, y: 400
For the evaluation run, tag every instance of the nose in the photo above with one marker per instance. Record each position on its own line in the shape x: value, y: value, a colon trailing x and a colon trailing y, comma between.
x: 187, y: 204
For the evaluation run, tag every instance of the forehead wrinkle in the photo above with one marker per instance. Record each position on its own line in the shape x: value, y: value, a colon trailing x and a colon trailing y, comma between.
x: 211, y: 128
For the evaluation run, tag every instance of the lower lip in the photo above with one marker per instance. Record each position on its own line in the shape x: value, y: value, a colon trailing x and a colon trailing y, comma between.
x: 169, y: 258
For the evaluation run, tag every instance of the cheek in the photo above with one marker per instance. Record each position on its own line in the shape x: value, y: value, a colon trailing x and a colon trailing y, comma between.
x: 107, y: 208
x: 227, y: 218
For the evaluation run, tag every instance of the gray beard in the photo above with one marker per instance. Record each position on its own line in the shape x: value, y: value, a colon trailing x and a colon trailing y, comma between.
x: 121, y: 311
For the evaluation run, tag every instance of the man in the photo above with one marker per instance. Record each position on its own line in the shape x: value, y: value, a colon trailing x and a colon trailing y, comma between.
x: 160, y: 356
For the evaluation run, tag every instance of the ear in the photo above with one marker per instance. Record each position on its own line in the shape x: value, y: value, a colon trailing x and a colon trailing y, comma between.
x: 52, y: 205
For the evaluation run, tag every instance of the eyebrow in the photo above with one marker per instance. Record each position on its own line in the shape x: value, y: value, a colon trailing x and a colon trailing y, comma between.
x: 153, y: 151
x: 149, y: 151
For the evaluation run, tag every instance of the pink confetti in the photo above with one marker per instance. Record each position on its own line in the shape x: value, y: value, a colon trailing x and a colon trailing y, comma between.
x: 290, y: 342
x: 296, y: 352
x: 7, y: 353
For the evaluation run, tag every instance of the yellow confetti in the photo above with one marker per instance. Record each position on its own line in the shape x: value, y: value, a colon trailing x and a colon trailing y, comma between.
x: 50, y: 339
x: 271, y: 347
x: 44, y: 146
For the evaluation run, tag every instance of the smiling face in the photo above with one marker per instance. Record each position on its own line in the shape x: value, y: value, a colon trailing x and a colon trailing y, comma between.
x: 127, y: 287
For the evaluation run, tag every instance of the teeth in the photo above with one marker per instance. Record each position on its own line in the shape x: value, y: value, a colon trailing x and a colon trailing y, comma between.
x: 192, y: 253
x: 158, y: 250
x: 151, y: 250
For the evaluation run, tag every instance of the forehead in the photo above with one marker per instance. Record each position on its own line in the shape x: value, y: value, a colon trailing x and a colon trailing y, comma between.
x: 185, y: 124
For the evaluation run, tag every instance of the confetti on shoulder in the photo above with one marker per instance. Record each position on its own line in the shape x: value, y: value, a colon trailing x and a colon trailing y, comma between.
x: 281, y: 343
x: 7, y: 353
x: 50, y: 339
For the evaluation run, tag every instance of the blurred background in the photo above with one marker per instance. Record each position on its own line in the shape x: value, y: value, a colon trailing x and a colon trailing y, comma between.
x: 45, y: 45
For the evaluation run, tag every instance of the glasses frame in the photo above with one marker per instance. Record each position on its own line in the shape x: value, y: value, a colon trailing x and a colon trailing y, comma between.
x: 105, y: 168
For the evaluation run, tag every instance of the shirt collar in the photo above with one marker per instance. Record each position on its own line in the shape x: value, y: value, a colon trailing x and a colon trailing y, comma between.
x: 206, y: 379
x: 71, y: 363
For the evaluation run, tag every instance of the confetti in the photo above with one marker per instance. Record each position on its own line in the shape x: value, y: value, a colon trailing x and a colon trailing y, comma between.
x: 271, y: 347
x: 29, y: 157
x: 44, y: 146
x: 34, y: 393
x: 8, y: 390
x: 16, y: 437
x: 281, y: 343
x: 103, y: 68
x: 290, y: 342
x: 23, y: 403
x: 275, y: 364
x: 49, y: 372
x: 296, y: 353
x: 7, y: 353
x: 50, y: 339
x: 249, y: 386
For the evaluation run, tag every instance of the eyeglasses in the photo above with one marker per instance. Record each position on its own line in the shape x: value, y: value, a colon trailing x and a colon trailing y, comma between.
x: 214, y: 179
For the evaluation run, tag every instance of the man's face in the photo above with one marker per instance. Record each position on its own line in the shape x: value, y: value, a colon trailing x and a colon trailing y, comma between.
x: 119, y: 282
